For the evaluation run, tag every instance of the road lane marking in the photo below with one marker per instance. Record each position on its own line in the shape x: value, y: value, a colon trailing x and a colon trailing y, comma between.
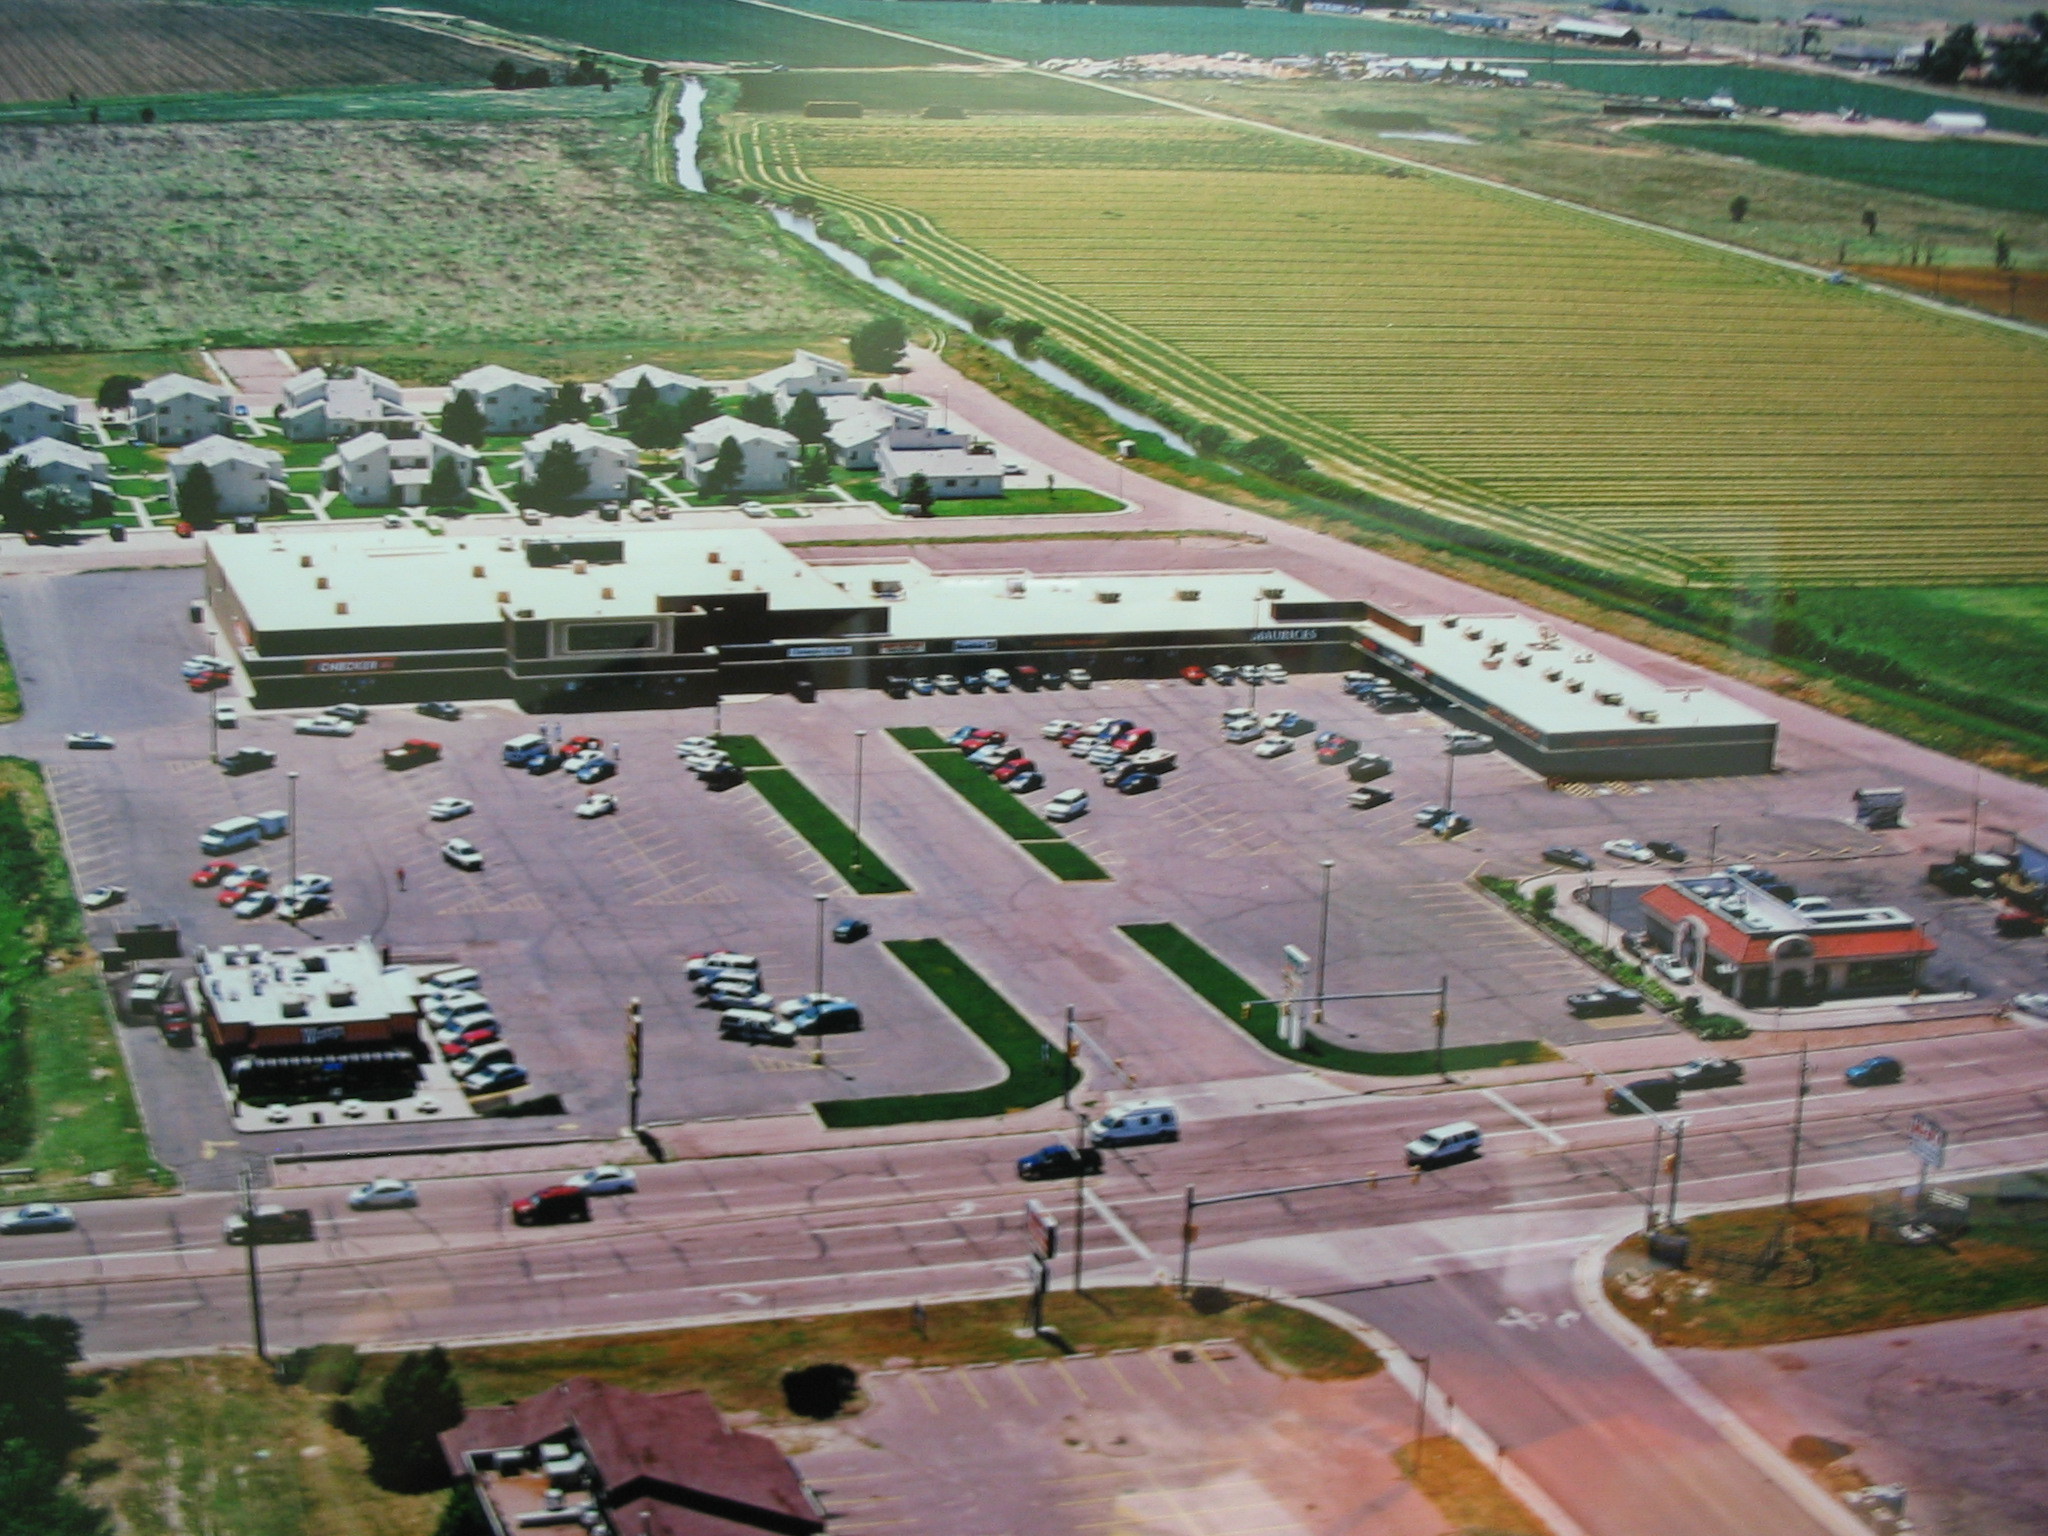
x: 101, y: 1258
x: 1116, y: 1224
x: 1501, y: 1102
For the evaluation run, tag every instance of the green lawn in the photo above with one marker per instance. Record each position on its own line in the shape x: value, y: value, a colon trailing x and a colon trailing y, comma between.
x: 1029, y: 503
x: 1210, y: 979
x: 1066, y: 861
x: 816, y: 822
x: 1039, y: 837
x: 1037, y: 1069
x: 911, y: 92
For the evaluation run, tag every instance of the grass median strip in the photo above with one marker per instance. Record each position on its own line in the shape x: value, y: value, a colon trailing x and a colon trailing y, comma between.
x: 1239, y: 1001
x: 1041, y: 839
x: 814, y: 820
x: 1037, y: 1071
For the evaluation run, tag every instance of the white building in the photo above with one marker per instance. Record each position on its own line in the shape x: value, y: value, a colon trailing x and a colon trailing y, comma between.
x: 954, y: 474
x: 317, y: 408
x: 612, y: 463
x: 669, y: 388
x: 377, y: 471
x: 806, y: 374
x: 859, y: 426
x: 29, y: 412
x: 1610, y: 34
x: 65, y: 465
x: 769, y: 455
x: 511, y: 402
x: 177, y: 409
x: 245, y: 477
x: 1957, y: 122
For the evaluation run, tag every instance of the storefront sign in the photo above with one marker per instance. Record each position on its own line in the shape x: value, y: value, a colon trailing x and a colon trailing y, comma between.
x: 333, y: 666
x: 1284, y: 636
x: 974, y: 645
x: 805, y: 652
x: 900, y: 648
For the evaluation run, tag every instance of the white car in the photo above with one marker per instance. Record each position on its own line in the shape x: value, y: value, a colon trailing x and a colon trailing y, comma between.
x: 310, y: 885
x: 89, y: 741
x: 946, y: 682
x: 1672, y: 969
x: 41, y: 1217
x: 325, y: 725
x: 255, y: 904
x: 1627, y: 848
x: 690, y: 746
x: 463, y: 854
x: 790, y: 1007
x: 1067, y: 805
x: 1244, y: 731
x: 1080, y: 677
x: 449, y: 808
x: 605, y: 1179
x: 224, y: 715
x: 598, y: 805
x: 2032, y: 1004
x: 1052, y: 730
x: 1279, y: 746
x: 101, y: 896
x: 1272, y: 672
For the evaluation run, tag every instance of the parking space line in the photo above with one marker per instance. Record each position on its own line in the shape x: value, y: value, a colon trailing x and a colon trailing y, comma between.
x: 1060, y: 1368
x: 1158, y: 1360
x: 973, y: 1391
x: 1011, y: 1375
x: 918, y: 1382
x: 1123, y: 1381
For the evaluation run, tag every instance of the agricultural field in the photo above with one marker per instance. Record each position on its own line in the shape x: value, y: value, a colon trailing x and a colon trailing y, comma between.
x: 102, y: 48
x: 977, y: 91
x: 537, y: 227
x: 1653, y: 405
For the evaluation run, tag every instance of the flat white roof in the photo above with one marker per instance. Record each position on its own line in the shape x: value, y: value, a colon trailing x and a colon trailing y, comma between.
x: 325, y: 984
x: 1556, y: 685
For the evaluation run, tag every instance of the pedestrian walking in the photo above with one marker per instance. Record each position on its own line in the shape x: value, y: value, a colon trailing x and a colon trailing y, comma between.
x: 401, y: 877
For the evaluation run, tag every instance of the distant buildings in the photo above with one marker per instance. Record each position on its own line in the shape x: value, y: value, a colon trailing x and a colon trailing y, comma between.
x: 669, y: 388
x: 64, y: 465
x: 511, y: 402
x: 806, y: 374
x: 177, y: 409
x: 246, y: 479
x: 318, y: 408
x: 29, y: 412
x: 1606, y: 34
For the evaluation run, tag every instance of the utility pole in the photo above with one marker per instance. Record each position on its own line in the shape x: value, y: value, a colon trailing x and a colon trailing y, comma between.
x: 1442, y: 1021
x: 1713, y: 837
x: 1677, y: 1167
x: 291, y: 823
x: 1067, y: 1054
x: 633, y: 1047
x: 1450, y: 777
x: 860, y: 750
x: 1080, y: 1193
x: 1798, y: 1125
x: 818, y: 1034
x: 1323, y: 941
x: 1656, y: 1169
x: 1976, y: 805
x: 1187, y: 1238
x: 249, y: 1237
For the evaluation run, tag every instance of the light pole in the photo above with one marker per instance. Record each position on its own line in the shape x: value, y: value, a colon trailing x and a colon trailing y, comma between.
x: 1442, y: 1022
x: 1677, y: 1165
x: 1323, y: 941
x: 1607, y: 914
x: 860, y: 753
x: 1080, y: 1191
x: 818, y: 979
x: 249, y: 1237
x: 1067, y: 1054
x: 1450, y: 776
x: 633, y: 1058
x: 1713, y: 839
x: 1798, y: 1126
x: 291, y: 824
x: 1976, y: 805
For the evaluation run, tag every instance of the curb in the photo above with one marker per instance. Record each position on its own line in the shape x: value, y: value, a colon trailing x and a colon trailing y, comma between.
x: 1588, y: 1287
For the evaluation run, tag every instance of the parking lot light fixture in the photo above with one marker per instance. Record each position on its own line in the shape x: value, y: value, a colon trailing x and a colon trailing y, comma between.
x: 291, y: 824
x: 860, y: 745
x: 1450, y: 777
x: 818, y: 984
x: 1323, y: 941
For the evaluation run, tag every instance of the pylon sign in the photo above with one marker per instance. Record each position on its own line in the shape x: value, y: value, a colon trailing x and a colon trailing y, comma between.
x: 1043, y: 1230
x: 1294, y: 967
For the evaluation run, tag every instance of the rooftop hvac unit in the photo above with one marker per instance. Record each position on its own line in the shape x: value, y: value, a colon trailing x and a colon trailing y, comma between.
x: 1449, y: 621
x: 1552, y: 674
x: 1109, y: 597
x: 1496, y: 648
x: 1491, y: 663
x: 1188, y: 595
x: 1013, y: 586
x: 1272, y: 594
x: 1474, y: 632
x: 1647, y: 716
x: 1608, y: 696
x: 1574, y: 685
x: 294, y: 1005
x: 1521, y: 658
x: 1584, y: 658
x: 341, y: 996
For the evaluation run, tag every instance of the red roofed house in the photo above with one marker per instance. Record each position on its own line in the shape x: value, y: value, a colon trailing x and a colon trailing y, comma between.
x: 591, y: 1457
x: 1764, y: 952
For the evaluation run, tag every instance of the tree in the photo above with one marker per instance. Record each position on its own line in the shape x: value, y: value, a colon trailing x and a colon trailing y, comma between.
x: 37, y: 1390
x: 723, y: 478
x: 986, y: 319
x: 419, y: 1399
x: 536, y: 78
x: 806, y: 421
x: 462, y: 1515
x: 50, y: 507
x: 694, y: 409
x: 198, y: 497
x: 1738, y: 208
x: 1870, y: 221
x: 16, y: 481
x: 115, y: 389
x: 816, y: 470
x: 32, y: 1492
x: 877, y: 346
x: 760, y: 410
x: 2001, y: 251
x: 875, y: 392
x: 462, y: 421
x: 1209, y: 439
x: 2020, y: 62
x: 146, y: 115
x: 1025, y: 334
x: 445, y: 487
x: 1954, y: 56
x: 640, y: 418
x: 568, y: 404
x: 505, y: 75
x: 557, y: 480
x: 917, y: 496
x: 650, y: 75
x: 1272, y: 455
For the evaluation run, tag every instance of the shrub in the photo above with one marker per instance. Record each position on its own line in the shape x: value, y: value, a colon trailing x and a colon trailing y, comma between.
x: 1718, y: 1026
x: 819, y: 1391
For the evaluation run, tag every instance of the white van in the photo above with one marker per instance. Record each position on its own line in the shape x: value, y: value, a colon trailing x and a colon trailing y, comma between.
x: 227, y: 836
x: 1127, y: 1125
x: 455, y: 979
x: 1445, y: 1144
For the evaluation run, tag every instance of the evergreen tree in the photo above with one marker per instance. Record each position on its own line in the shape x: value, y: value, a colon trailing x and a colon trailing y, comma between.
x: 115, y: 389
x: 462, y: 1515
x: 50, y: 507
x: 568, y: 404
x: 760, y: 410
x: 37, y: 1388
x: 816, y: 469
x: 877, y: 347
x: 1025, y: 334
x: 2020, y: 62
x: 806, y: 421
x: 32, y: 1492
x: 557, y: 480
x: 1738, y: 208
x: 1954, y: 56
x: 917, y: 496
x: 16, y: 481
x: 723, y: 478
x: 199, y: 497
x: 505, y: 75
x: 419, y: 1399
x: 650, y: 75
x: 694, y: 409
x: 463, y: 420
x: 640, y: 416
x: 445, y: 487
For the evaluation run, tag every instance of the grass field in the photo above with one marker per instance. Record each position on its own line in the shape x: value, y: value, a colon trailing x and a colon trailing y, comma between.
x: 908, y: 92
x: 1223, y: 989
x: 1612, y: 392
x: 102, y: 48
x: 1037, y: 1071
x: 1039, y: 837
x: 1990, y: 175
x: 813, y: 820
x: 532, y: 228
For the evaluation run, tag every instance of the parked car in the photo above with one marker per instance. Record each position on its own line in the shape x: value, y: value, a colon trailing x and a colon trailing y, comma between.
x: 207, y: 682
x: 996, y: 678
x: 354, y: 714
x: 972, y: 682
x: 1155, y: 759
x: 1466, y: 743
x: 247, y: 760
x: 1671, y: 852
x: 458, y: 1040
x: 1875, y: 1072
x: 1195, y: 674
x: 1708, y: 1072
x: 721, y: 960
x: 438, y: 710
x: 311, y: 885
x: 101, y: 897
x: 463, y: 854
x: 89, y: 741
x: 411, y: 753
x: 1627, y: 848
x: 1426, y: 815
x: 1067, y: 805
x: 39, y: 1217
x: 213, y: 873
x: 498, y: 1077
x: 1053, y: 730
x: 1222, y: 672
x: 1451, y: 824
x: 1672, y: 969
x: 198, y: 666
x: 1336, y: 749
x: 325, y: 725
x: 1080, y: 677
x: 384, y: 1195
x: 255, y: 904
x: 295, y: 909
x: 546, y: 1207
x: 605, y: 1179
x: 146, y: 991
x: 922, y: 686
x: 1136, y: 784
x: 736, y: 994
x: 1277, y: 746
x: 542, y: 763
x: 756, y: 1026
x: 598, y: 805
x: 1367, y: 798
x: 1366, y: 767
x: 946, y: 682
x: 850, y: 930
x: 1025, y: 782
x: 449, y: 808
x: 1602, y: 1001
x: 1059, y: 1161
x: 690, y: 746
x: 1004, y: 772
x: 1570, y: 858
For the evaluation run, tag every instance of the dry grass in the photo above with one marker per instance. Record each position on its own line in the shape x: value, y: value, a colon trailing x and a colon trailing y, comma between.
x: 1465, y: 1493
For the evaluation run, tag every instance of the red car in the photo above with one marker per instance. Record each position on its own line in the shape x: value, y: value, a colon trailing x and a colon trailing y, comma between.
x: 1195, y: 674
x: 234, y: 893
x: 577, y: 744
x: 206, y: 682
x: 982, y: 739
x: 214, y: 873
x: 545, y: 1207
x: 1133, y: 741
x: 410, y: 755
x: 1013, y: 767
x: 482, y: 1034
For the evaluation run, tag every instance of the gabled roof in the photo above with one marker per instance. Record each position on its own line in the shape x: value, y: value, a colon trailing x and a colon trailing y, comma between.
x: 715, y: 431
x: 490, y: 377
x: 582, y: 437
x: 54, y: 450
x: 171, y: 386
x: 22, y: 392
x: 803, y: 366
x: 369, y: 444
x: 226, y: 450
x: 621, y: 384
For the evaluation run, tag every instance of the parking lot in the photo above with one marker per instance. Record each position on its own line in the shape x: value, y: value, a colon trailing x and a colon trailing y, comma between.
x: 569, y: 919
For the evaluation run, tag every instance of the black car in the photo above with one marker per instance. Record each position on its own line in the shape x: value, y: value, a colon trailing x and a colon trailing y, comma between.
x: 849, y: 930
x: 1654, y: 1093
x: 973, y: 682
x: 1571, y: 858
x: 1363, y: 770
x: 439, y: 711
x: 1708, y: 1072
x: 1602, y: 1001
x: 543, y: 762
x: 896, y: 687
x: 1059, y: 1161
x: 248, y: 760
x: 1136, y: 784
x: 1672, y: 852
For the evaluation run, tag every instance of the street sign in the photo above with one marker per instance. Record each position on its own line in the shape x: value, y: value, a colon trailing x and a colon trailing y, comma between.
x: 1043, y: 1230
x: 1927, y: 1139
x: 1297, y: 961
